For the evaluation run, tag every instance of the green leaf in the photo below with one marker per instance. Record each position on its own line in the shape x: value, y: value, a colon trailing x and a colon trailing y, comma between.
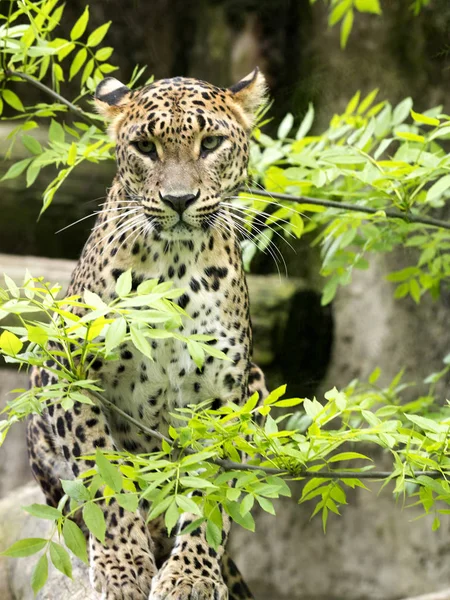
x: 411, y: 137
x: 40, y: 574
x: 306, y: 124
x: 65, y: 50
x: 297, y: 224
x: 347, y: 456
x: 285, y: 126
x: 43, y: 511
x: 80, y: 26
x: 339, y: 10
x: 233, y: 509
x: 104, y: 53
x: 61, y: 559
x: 10, y: 343
x: 116, y: 334
x: 159, y: 508
x: 124, y: 284
x: 266, y: 504
x: 436, y: 524
x: 289, y: 402
x: 32, y: 144
x: 98, y: 34
x: 419, y: 118
x: 368, y: 6
x: 32, y: 173
x: 110, y: 474
x: 346, y: 28
x: 197, y: 353
x: 16, y: 169
x: 438, y: 188
x: 275, y: 395
x: 172, y: 515
x: 72, y: 155
x: 13, y: 100
x: 375, y: 375
x: 196, y: 482
x: 25, y: 547
x: 402, y: 111
x: 77, y: 62
x: 11, y: 285
x: 75, y: 489
x: 129, y: 502
x: 75, y: 540
x: 188, y: 505
x: 56, y: 132
x: 426, y: 424
x: 247, y: 504
x: 38, y: 335
x: 95, y: 520
x: 367, y: 102
x: 140, y: 342
x: 213, y: 534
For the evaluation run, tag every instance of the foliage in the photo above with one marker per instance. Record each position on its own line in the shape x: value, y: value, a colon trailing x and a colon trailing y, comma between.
x: 371, y: 156
x: 343, y: 12
x: 204, y: 450
x: 32, y: 51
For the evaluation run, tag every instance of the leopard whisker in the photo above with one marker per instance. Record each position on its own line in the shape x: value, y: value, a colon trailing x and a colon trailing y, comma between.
x: 255, y: 219
x: 270, y: 242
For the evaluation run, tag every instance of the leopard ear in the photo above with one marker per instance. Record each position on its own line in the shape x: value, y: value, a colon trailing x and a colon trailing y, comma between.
x: 250, y: 93
x: 110, y: 96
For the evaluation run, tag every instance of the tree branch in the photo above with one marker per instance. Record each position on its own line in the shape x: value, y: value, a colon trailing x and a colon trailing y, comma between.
x: 390, y: 212
x: 230, y: 465
x: 38, y: 84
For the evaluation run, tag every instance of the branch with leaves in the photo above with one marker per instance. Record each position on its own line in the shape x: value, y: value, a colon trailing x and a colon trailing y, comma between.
x: 368, y: 183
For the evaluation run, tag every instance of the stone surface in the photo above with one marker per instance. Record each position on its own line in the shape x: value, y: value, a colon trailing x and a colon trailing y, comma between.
x: 374, y: 551
x: 14, y: 468
x: 15, y: 574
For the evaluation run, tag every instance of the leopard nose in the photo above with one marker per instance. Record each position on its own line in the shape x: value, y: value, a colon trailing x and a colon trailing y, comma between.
x: 179, y: 203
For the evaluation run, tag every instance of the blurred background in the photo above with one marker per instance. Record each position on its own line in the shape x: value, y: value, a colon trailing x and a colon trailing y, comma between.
x: 374, y: 551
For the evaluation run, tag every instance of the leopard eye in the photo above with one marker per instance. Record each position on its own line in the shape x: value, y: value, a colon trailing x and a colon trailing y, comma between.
x: 145, y: 147
x: 210, y: 143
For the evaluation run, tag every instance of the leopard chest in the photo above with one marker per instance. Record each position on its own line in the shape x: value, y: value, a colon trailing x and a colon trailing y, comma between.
x: 151, y: 390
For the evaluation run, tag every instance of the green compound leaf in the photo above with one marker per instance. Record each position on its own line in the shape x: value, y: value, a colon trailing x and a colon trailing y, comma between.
x: 80, y: 26
x: 95, y: 520
x: 75, y: 540
x: 61, y: 559
x: 40, y: 574
x: 43, y: 511
x: 110, y: 474
x: 25, y: 547
x: 98, y: 34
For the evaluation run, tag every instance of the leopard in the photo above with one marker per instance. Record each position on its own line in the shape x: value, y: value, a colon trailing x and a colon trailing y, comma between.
x: 182, y: 149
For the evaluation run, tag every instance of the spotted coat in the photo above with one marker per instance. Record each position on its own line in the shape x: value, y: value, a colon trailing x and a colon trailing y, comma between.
x: 182, y: 150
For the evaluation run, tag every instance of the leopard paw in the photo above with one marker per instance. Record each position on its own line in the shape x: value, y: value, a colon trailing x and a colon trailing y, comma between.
x: 167, y: 586
x: 122, y: 569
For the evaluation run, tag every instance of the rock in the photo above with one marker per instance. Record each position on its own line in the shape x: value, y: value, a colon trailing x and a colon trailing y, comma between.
x: 15, y: 573
x: 14, y: 468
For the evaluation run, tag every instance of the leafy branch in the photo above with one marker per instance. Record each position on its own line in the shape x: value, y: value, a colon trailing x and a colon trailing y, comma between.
x: 390, y: 213
x: 44, y: 88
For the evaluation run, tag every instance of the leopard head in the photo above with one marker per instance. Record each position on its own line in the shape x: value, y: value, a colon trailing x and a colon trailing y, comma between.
x: 182, y: 145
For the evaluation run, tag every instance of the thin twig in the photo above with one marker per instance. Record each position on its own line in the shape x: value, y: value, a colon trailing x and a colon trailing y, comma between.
x: 144, y: 428
x: 230, y: 465
x: 389, y: 212
x: 41, y: 86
